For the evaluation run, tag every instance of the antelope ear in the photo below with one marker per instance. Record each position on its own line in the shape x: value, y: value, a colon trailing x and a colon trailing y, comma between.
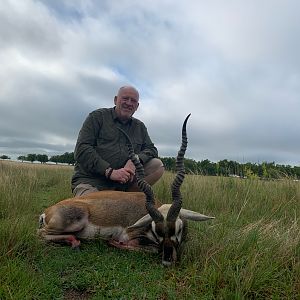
x: 144, y: 221
x: 193, y: 216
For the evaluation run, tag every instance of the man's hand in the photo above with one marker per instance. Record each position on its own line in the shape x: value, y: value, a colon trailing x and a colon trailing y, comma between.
x: 125, y: 174
x: 130, y: 165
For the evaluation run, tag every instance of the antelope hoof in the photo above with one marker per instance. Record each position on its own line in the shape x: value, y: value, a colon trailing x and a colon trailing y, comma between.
x: 74, y: 242
x: 122, y: 245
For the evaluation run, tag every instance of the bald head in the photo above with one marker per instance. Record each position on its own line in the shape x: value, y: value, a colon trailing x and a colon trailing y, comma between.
x: 128, y: 88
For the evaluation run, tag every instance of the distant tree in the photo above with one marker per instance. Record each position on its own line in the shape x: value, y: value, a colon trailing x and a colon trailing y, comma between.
x: 285, y: 171
x: 249, y: 173
x: 71, y: 158
x: 55, y: 158
x: 31, y: 157
x: 217, y: 169
x: 206, y: 167
x: 265, y: 173
x: 4, y: 157
x: 190, y: 166
x: 68, y: 158
x: 233, y: 167
x: 42, y: 158
x: 296, y: 172
x: 169, y: 163
x: 22, y: 158
x: 224, y: 167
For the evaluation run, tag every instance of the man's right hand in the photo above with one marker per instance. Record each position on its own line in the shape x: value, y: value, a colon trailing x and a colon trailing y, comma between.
x: 122, y: 175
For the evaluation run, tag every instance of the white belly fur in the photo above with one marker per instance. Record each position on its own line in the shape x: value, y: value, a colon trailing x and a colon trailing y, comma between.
x: 92, y: 231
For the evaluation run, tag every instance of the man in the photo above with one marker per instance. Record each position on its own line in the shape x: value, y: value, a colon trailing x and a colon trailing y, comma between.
x: 101, y: 151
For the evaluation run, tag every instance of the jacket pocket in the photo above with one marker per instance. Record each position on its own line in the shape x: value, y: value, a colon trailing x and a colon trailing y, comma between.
x: 137, y: 145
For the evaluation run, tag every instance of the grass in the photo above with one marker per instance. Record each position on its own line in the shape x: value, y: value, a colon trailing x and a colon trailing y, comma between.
x: 250, y: 251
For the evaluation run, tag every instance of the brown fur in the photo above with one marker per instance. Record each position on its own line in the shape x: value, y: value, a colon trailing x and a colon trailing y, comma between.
x: 103, y: 209
x: 117, y: 208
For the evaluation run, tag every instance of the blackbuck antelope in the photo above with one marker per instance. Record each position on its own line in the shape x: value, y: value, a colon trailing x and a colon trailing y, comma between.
x: 127, y: 220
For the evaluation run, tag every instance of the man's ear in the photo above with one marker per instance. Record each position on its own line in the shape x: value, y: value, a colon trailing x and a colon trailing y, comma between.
x: 115, y: 100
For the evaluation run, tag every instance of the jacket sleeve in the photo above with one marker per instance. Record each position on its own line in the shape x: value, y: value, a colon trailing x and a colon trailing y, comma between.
x: 85, y: 153
x: 148, y: 150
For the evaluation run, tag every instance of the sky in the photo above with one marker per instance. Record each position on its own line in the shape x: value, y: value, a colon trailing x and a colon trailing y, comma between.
x: 235, y: 65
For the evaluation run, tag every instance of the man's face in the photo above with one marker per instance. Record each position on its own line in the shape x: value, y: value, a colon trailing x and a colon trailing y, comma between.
x: 126, y: 103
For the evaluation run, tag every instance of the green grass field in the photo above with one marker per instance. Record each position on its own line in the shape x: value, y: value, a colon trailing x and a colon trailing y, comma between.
x: 250, y: 251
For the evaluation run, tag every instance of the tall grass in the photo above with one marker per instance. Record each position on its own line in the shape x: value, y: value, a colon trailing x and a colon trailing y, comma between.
x: 250, y: 251
x: 23, y: 194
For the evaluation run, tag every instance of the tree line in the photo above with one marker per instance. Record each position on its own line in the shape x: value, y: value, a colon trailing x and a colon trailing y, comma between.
x: 231, y: 168
x: 224, y: 167
x: 66, y: 158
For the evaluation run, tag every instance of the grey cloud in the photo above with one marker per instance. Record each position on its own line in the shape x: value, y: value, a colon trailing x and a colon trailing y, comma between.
x: 29, y: 28
x: 233, y: 66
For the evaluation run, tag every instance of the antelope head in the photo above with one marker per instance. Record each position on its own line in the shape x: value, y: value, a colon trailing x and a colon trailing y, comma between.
x: 168, y: 222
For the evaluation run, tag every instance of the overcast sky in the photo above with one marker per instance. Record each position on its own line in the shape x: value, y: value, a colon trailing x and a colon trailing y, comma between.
x: 235, y: 65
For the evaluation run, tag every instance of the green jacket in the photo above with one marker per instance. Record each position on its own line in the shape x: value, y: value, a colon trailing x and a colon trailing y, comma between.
x: 101, y: 145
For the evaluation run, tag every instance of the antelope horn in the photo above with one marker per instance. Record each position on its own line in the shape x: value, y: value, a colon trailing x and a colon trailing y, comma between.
x: 144, y: 186
x: 178, y: 180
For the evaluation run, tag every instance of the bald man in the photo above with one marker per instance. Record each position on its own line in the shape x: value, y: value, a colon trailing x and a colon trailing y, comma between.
x: 101, y: 151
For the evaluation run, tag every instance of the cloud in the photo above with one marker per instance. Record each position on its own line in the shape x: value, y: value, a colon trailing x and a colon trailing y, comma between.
x: 234, y: 66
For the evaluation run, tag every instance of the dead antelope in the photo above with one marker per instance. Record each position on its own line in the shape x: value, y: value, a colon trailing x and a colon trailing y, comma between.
x: 127, y: 220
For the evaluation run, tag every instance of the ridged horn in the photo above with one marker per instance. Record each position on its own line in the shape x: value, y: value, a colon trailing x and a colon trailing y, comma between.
x: 178, y: 180
x: 144, y: 186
